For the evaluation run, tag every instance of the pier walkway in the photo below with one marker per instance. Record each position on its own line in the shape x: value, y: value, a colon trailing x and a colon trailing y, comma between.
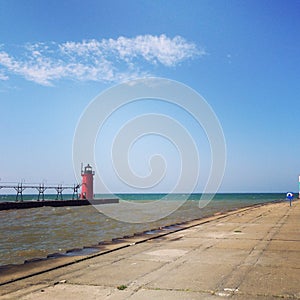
x: 41, y: 188
x: 252, y: 253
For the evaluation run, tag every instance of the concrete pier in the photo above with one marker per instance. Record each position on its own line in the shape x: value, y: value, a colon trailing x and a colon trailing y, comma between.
x: 54, y: 203
x: 252, y: 253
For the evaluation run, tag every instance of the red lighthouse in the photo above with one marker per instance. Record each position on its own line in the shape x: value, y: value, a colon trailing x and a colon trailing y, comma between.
x: 87, y: 192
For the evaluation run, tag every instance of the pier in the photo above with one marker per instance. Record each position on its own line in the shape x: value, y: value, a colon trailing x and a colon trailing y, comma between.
x: 20, y: 203
x: 54, y: 203
x: 41, y: 188
x: 86, y: 196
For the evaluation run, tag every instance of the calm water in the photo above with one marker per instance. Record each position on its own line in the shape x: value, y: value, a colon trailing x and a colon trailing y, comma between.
x: 37, y: 232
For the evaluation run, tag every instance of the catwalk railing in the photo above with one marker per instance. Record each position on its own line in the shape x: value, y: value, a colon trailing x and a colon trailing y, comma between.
x: 41, y: 188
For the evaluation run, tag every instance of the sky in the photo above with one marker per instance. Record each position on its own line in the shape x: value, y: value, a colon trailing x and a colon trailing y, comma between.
x: 242, y: 57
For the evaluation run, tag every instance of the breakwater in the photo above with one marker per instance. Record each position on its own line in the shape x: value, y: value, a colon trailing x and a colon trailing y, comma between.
x: 53, y: 203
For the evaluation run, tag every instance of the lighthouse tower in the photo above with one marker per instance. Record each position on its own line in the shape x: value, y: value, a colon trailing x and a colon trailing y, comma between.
x: 87, y: 192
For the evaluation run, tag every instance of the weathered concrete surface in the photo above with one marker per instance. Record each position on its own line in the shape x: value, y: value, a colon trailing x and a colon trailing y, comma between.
x: 248, y: 254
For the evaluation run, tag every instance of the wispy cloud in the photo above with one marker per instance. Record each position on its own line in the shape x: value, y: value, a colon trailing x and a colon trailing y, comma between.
x: 3, y: 76
x: 106, y: 60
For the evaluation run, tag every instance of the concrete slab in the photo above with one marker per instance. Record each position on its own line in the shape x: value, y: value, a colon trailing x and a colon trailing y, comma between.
x: 280, y: 282
x: 284, y: 245
x: 160, y: 255
x: 236, y: 244
x: 287, y: 234
x: 115, y: 274
x: 193, y: 276
x: 218, y: 256
x: 74, y: 292
x: 172, y: 295
x: 280, y: 259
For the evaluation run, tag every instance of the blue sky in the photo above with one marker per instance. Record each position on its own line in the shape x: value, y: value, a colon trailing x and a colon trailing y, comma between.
x: 241, y: 56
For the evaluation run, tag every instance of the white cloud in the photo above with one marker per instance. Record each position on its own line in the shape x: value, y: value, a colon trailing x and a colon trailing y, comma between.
x: 107, y: 60
x: 3, y: 76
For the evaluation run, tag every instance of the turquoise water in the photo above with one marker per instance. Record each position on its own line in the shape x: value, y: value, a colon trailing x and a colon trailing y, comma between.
x: 245, y: 197
x: 251, y: 197
x: 37, y: 232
